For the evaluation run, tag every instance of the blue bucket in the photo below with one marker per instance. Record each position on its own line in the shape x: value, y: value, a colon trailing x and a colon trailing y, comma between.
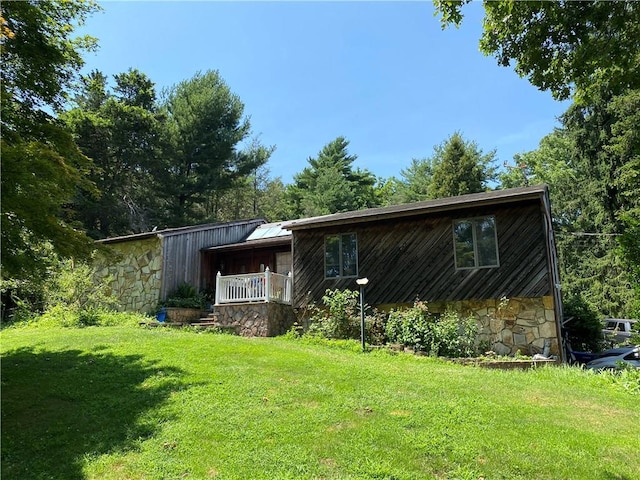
x: 161, y: 315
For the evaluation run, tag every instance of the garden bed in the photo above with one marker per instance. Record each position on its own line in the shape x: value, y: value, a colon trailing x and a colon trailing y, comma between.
x: 505, y: 364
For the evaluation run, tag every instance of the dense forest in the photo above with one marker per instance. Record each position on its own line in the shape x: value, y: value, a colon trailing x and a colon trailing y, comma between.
x: 90, y: 156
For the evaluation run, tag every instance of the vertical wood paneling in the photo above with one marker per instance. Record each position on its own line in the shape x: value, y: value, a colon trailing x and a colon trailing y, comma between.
x: 182, y: 254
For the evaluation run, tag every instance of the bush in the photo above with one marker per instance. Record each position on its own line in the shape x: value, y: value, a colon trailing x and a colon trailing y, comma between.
x: 584, y: 331
x: 447, y: 335
x: 66, y: 317
x: 340, y: 318
x: 73, y: 286
x: 185, y: 296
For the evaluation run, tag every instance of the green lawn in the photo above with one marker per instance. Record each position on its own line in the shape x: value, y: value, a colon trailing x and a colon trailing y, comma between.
x: 130, y: 403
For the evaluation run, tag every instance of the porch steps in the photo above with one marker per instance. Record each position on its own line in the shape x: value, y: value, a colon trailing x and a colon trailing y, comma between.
x: 211, y: 321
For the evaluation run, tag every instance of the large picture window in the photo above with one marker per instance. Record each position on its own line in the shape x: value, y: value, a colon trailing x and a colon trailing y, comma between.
x: 340, y: 256
x: 476, y: 243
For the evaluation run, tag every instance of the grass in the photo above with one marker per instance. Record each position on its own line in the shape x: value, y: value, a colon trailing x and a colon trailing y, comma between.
x: 132, y: 403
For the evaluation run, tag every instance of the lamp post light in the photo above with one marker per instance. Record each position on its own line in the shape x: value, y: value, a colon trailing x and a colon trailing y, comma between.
x: 363, y: 283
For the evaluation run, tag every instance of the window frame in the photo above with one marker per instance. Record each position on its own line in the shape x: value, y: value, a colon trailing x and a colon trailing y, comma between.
x: 475, y: 221
x: 340, y: 256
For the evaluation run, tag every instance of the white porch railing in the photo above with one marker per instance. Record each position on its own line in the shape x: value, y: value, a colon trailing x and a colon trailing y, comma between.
x: 253, y: 287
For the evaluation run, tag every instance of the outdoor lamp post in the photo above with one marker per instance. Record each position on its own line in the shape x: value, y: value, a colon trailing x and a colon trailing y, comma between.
x: 363, y: 283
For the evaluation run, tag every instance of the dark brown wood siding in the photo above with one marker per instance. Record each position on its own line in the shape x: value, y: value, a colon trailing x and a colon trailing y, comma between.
x: 413, y: 258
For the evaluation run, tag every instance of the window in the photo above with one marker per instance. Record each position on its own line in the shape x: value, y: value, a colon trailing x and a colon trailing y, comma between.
x: 340, y: 256
x: 476, y: 243
x: 283, y: 262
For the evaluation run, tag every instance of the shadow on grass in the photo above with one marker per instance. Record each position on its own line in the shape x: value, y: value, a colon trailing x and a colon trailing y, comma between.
x: 61, y: 407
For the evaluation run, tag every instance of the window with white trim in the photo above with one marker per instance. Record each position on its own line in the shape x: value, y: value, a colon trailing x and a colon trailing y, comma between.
x: 340, y: 256
x: 475, y: 243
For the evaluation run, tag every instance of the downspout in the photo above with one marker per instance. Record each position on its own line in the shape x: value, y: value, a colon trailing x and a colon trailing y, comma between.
x: 554, y: 272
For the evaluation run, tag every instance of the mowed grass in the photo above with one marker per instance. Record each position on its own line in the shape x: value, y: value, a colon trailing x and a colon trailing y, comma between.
x: 130, y: 403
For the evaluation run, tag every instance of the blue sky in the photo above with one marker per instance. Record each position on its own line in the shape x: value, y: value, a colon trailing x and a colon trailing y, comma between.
x: 382, y: 74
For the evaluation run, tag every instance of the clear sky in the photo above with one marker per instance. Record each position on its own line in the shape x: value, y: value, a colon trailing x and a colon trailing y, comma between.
x: 382, y: 74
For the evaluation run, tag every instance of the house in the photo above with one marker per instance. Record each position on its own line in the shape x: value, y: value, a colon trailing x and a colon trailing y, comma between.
x: 490, y: 255
x: 268, y: 246
x: 143, y: 268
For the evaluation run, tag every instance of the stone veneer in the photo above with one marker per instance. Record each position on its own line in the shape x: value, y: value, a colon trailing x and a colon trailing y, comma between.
x: 509, y: 325
x: 135, y: 272
x: 256, y: 319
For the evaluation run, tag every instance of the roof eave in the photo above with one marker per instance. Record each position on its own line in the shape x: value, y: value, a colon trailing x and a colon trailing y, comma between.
x: 429, y: 207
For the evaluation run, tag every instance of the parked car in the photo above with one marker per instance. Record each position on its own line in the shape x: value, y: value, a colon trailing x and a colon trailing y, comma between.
x: 617, y: 329
x: 609, y: 359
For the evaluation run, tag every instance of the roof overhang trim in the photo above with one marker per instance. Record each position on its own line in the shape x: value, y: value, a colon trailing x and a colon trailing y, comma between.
x: 512, y: 195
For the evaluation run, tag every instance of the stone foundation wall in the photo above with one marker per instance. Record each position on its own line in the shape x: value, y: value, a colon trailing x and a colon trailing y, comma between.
x: 256, y: 319
x: 509, y: 325
x: 134, y: 270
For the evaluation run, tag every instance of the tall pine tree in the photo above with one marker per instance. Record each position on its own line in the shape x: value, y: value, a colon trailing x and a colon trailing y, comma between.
x: 330, y: 184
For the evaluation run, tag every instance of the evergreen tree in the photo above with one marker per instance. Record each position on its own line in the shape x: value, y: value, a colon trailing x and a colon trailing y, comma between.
x: 416, y: 181
x: 459, y: 167
x: 205, y: 125
x: 121, y: 131
x: 330, y: 184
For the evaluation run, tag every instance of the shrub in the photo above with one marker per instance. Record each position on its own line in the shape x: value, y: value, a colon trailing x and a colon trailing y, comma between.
x: 584, y: 331
x: 454, y: 336
x: 626, y: 378
x: 340, y: 318
x: 184, y: 296
x: 73, y: 286
x: 66, y: 317
x: 447, y: 335
x: 411, y: 327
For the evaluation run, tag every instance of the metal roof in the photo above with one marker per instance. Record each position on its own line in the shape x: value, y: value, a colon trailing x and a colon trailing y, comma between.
x: 429, y: 206
x: 266, y: 235
x: 174, y: 231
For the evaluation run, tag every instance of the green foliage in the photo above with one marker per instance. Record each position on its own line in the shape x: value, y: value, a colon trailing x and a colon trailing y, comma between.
x: 635, y: 333
x: 132, y: 403
x: 69, y: 297
x: 184, y: 296
x: 330, y: 184
x: 63, y: 316
x: 205, y: 124
x: 73, y: 286
x: 120, y: 129
x: 416, y: 181
x: 68, y: 287
x: 563, y: 47
x: 40, y: 58
x: 584, y: 330
x: 595, y: 152
x: 626, y: 378
x: 24, y: 297
x: 459, y: 167
x: 254, y: 195
x: 447, y: 335
x: 41, y: 166
x: 591, y: 51
x: 340, y: 318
